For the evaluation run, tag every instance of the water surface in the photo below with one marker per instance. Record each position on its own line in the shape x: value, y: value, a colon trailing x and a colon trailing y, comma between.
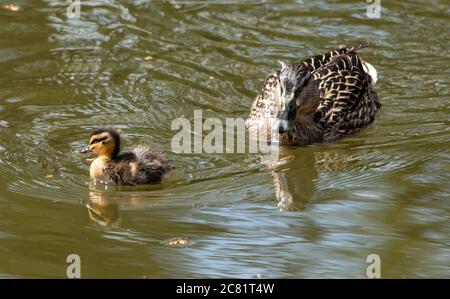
x: 138, y: 65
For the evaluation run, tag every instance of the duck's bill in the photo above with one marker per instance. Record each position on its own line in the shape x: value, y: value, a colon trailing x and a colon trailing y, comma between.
x: 85, y: 149
x: 283, y: 124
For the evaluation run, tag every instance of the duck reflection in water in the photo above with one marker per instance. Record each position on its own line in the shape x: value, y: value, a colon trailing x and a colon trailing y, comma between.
x: 296, y: 173
x: 294, y: 179
x: 101, y: 210
x: 104, y: 202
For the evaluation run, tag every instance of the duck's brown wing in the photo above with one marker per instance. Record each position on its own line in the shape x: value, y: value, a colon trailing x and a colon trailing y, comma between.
x: 119, y: 170
x: 152, y: 165
x: 318, y: 61
x: 140, y: 166
x: 346, y: 96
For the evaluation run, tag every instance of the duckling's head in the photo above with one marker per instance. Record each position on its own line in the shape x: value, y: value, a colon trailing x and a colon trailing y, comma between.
x: 104, y: 142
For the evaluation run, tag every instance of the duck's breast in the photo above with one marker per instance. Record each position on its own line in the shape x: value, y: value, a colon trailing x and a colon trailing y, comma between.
x: 96, y: 171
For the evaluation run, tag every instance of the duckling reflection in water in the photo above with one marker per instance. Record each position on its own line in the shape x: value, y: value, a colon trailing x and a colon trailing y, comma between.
x: 103, y: 211
x: 113, y: 166
x: 104, y: 206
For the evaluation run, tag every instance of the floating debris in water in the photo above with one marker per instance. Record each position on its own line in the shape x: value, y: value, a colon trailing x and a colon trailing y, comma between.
x: 149, y: 58
x: 49, y: 175
x: 259, y: 276
x: 211, y: 78
x: 177, y: 242
x: 4, y: 123
x: 10, y: 7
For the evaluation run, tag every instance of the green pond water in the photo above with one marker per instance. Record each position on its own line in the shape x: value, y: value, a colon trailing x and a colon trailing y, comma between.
x: 138, y: 65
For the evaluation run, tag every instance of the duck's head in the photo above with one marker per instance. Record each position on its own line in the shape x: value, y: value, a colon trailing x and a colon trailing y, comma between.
x: 293, y: 78
x: 104, y: 142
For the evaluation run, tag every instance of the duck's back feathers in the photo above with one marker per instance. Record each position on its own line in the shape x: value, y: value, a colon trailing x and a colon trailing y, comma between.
x: 140, y: 166
x: 152, y: 165
x: 347, y: 102
x: 320, y: 60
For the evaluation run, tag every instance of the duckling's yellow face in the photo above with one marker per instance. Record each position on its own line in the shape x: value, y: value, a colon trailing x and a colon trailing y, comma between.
x: 102, y: 144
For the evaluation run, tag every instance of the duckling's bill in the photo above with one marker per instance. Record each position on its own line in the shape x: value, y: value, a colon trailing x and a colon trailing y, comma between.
x: 85, y: 150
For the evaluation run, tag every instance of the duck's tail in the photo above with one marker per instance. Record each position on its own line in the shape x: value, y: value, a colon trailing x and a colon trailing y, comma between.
x: 358, y: 47
x: 368, y: 68
x: 371, y: 71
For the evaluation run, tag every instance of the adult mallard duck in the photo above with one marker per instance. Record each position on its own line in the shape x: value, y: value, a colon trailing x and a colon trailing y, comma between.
x: 318, y: 99
x: 139, y: 166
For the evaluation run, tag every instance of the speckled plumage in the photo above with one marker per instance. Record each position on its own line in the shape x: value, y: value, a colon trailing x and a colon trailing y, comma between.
x: 333, y: 96
x: 140, y: 166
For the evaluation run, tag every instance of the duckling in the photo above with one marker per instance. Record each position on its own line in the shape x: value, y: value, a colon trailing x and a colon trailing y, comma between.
x: 319, y: 99
x: 139, y: 166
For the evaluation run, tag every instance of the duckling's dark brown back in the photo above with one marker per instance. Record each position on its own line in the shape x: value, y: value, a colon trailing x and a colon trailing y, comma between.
x: 152, y: 165
x: 140, y: 166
